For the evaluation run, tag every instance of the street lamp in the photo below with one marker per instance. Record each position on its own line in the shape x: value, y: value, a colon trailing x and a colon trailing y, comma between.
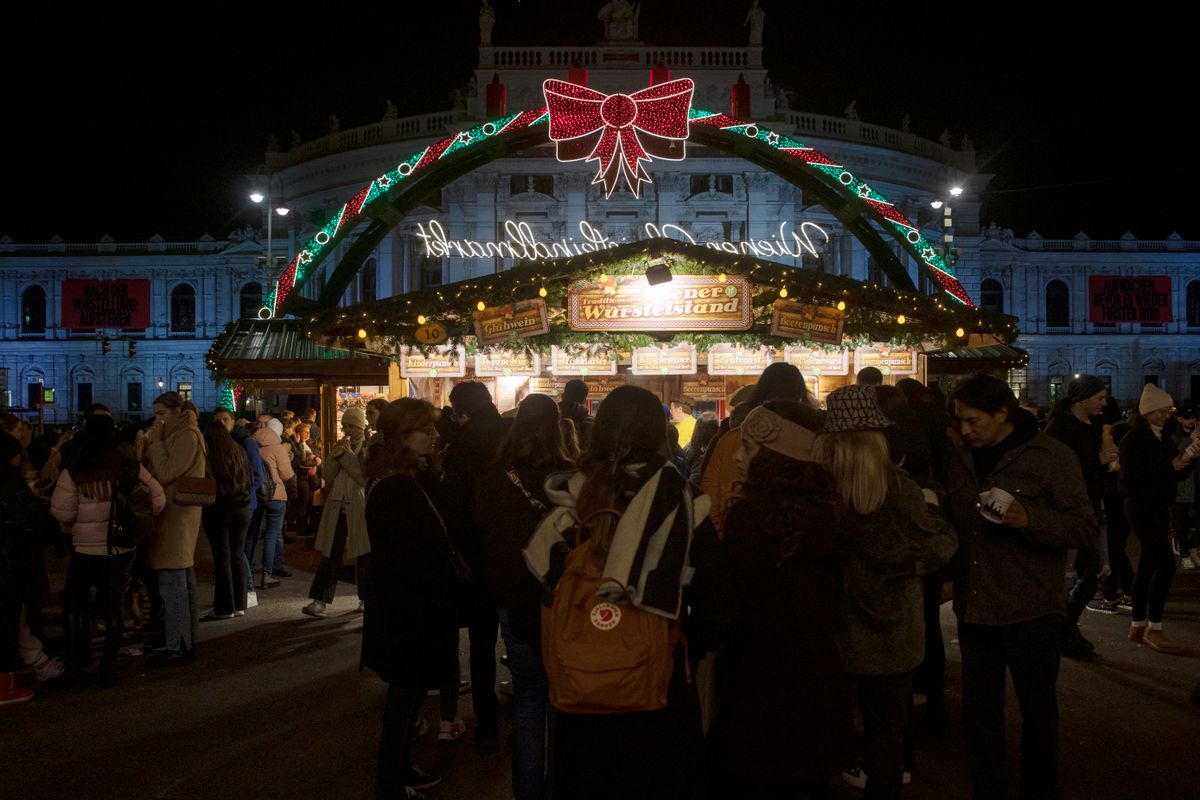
x: 260, y: 194
x: 947, y: 223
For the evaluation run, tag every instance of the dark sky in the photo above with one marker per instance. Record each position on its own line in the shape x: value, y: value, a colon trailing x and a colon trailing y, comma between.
x: 130, y: 126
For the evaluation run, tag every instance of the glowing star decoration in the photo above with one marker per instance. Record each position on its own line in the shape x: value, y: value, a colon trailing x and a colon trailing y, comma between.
x: 620, y: 130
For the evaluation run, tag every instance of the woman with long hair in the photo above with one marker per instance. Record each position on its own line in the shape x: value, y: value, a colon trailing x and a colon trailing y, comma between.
x: 631, y: 498
x: 893, y: 540
x: 509, y: 501
x: 226, y: 521
x: 83, y: 500
x: 175, y: 448
x: 410, y: 623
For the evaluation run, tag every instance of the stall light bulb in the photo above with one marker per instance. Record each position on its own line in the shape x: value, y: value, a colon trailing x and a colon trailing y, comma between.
x: 420, y: 319
x: 841, y: 306
x: 362, y: 333
x: 783, y: 292
x: 721, y: 277
x: 481, y: 305
x: 542, y: 292
x: 900, y: 320
x: 960, y: 333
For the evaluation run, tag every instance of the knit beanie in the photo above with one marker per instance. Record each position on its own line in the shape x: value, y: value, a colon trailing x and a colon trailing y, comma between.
x: 355, y: 416
x: 1153, y: 399
x: 1084, y: 387
x: 276, y: 427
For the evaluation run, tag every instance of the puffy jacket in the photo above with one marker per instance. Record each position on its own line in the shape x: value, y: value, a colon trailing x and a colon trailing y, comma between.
x: 277, y: 457
x: 88, y: 517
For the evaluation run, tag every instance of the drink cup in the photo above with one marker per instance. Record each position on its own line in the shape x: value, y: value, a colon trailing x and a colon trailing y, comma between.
x: 994, y: 503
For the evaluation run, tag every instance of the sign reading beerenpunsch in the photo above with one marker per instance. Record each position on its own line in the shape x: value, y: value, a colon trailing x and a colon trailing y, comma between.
x: 1116, y: 299
x: 685, y: 303
x: 106, y: 304
x: 497, y: 323
x: 803, y: 321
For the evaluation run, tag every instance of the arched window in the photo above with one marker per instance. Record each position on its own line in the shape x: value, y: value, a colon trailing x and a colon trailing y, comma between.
x: 183, y: 309
x: 250, y: 301
x: 1193, y: 304
x: 991, y: 295
x: 1058, y: 305
x: 367, y: 279
x: 875, y: 274
x: 33, y: 310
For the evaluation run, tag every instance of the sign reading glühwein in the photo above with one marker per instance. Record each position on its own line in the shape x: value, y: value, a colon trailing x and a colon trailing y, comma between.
x: 106, y: 304
x: 1115, y: 299
x: 685, y: 303
x: 803, y: 321
x: 498, y: 323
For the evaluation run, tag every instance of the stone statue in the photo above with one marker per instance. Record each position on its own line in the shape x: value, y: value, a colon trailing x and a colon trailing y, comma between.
x: 754, y: 18
x: 296, y: 139
x: 967, y: 145
x: 335, y: 124
x: 945, y: 137
x: 620, y: 19
x: 273, y: 144
x: 487, y: 19
x: 906, y: 123
x: 390, y: 111
x: 851, y: 111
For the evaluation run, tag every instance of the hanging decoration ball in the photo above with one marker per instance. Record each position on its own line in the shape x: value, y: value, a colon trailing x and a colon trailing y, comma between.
x: 783, y: 292
x: 420, y: 319
x: 960, y: 333
x: 841, y: 306
x: 481, y: 305
x: 362, y: 333
x: 900, y: 320
x: 542, y: 292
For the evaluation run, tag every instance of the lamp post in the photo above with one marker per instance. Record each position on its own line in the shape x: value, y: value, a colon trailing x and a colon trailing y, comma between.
x: 260, y: 194
x: 947, y: 224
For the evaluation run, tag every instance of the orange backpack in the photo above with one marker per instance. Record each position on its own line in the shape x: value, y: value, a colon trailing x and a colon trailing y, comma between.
x: 603, y: 657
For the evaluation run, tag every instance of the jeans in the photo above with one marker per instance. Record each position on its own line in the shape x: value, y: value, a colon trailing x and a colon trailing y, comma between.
x: 395, y: 743
x: 324, y: 584
x: 1156, y: 567
x: 110, y: 576
x: 1117, y: 531
x: 180, y: 607
x: 1087, y: 579
x: 225, y: 526
x: 1030, y: 652
x: 531, y: 709
x: 884, y: 701
x: 271, y: 514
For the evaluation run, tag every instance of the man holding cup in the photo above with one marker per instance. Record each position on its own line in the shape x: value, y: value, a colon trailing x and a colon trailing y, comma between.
x: 1020, y: 503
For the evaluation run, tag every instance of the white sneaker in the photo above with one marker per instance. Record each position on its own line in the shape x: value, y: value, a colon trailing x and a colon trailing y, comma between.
x: 251, y: 599
x: 450, y: 730
x: 1188, y: 562
x: 314, y: 609
x: 50, y: 670
x: 858, y: 778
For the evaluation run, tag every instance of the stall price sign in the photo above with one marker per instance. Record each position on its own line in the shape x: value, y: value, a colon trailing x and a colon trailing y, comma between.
x: 548, y: 386
x: 1146, y: 299
x: 600, y: 388
x: 818, y: 362
x: 886, y: 360
x: 679, y: 360
x: 703, y: 389
x: 498, y: 323
x: 444, y: 362
x: 685, y: 303
x: 803, y: 321
x: 583, y: 362
x: 508, y: 363
x: 106, y: 304
x: 728, y: 359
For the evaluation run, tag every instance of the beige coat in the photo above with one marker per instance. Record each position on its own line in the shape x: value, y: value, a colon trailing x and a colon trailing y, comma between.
x: 277, y: 457
x: 344, y: 477
x: 180, y: 452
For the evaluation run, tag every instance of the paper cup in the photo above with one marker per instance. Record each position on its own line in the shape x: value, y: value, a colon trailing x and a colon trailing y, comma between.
x: 994, y: 503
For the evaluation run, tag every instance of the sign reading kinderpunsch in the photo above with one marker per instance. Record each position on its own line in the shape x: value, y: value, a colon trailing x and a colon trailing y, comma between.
x: 445, y: 362
x: 498, y: 323
x: 802, y: 321
x: 685, y: 303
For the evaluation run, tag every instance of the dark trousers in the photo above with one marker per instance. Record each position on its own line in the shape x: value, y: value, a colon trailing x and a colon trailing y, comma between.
x: 1030, y: 652
x: 10, y: 625
x: 298, y: 508
x: 1182, y: 517
x: 110, y: 576
x: 1120, y: 581
x: 483, y: 628
x: 395, y: 744
x: 1087, y: 579
x: 1156, y: 568
x: 884, y: 701
x: 324, y: 584
x: 226, y: 526
x: 929, y: 678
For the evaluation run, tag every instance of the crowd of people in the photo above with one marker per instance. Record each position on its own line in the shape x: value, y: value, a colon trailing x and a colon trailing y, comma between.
x: 788, y: 557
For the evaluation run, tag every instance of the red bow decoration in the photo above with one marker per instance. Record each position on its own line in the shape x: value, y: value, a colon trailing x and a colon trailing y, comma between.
x: 619, y: 130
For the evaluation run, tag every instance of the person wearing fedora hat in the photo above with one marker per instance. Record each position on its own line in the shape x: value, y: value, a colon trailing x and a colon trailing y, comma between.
x: 1008, y: 584
x: 893, y: 540
x: 1151, y: 467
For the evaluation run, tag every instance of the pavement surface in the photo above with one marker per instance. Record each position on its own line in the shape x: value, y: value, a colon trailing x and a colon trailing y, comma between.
x: 275, y: 707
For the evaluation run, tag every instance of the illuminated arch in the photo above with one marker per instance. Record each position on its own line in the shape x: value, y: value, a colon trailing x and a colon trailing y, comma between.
x: 388, y: 198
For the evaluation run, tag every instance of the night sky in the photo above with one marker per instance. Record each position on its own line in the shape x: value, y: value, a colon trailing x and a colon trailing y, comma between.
x: 129, y: 126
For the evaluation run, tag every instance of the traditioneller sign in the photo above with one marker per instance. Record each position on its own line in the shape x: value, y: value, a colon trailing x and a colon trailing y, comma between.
x: 583, y: 362
x: 499, y: 323
x: 679, y: 360
x: 1116, y: 299
x: 889, y: 362
x: 444, y: 362
x: 106, y: 304
x: 508, y: 363
x: 818, y: 362
x: 727, y: 359
x: 686, y: 303
x: 802, y: 321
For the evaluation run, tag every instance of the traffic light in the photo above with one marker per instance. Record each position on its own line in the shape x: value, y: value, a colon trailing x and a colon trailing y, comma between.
x: 132, y: 348
x: 105, y: 345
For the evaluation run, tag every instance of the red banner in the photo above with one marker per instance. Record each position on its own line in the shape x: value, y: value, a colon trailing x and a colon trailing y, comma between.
x: 106, y: 304
x: 1114, y: 299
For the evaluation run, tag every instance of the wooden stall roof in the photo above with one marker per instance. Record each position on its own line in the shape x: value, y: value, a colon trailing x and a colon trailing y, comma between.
x: 279, y: 353
x: 968, y: 359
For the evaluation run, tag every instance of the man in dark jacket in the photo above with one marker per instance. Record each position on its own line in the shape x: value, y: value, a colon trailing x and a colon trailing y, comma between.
x: 470, y: 454
x: 1077, y: 424
x: 572, y: 407
x: 242, y: 435
x: 1008, y: 584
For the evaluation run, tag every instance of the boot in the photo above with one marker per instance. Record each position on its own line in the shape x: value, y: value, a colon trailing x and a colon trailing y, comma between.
x: 1157, y: 640
x: 10, y: 695
x: 267, y: 582
x: 1136, y: 632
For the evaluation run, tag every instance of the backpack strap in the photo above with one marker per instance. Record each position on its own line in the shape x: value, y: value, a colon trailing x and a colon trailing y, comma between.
x: 538, y: 505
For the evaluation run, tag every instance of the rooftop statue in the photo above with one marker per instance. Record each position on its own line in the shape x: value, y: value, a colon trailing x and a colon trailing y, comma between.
x: 620, y: 18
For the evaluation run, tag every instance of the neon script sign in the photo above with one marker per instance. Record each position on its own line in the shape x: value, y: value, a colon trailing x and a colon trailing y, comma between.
x: 521, y: 241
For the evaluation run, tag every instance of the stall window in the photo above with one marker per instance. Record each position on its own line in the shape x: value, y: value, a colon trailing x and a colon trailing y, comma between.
x: 1058, y: 305
x: 183, y: 309
x: 33, y: 310
x: 250, y: 301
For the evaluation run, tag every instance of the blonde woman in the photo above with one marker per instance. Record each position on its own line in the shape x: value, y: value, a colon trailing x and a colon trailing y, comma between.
x: 892, y: 540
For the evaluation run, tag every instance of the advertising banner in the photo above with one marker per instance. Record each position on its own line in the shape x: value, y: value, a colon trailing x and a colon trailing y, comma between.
x: 106, y: 304
x: 1116, y: 299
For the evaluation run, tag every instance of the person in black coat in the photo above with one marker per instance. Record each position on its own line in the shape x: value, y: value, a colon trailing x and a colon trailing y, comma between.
x: 509, y: 502
x: 410, y: 628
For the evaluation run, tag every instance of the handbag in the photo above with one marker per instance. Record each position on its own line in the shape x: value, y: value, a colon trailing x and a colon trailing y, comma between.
x: 196, y: 491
